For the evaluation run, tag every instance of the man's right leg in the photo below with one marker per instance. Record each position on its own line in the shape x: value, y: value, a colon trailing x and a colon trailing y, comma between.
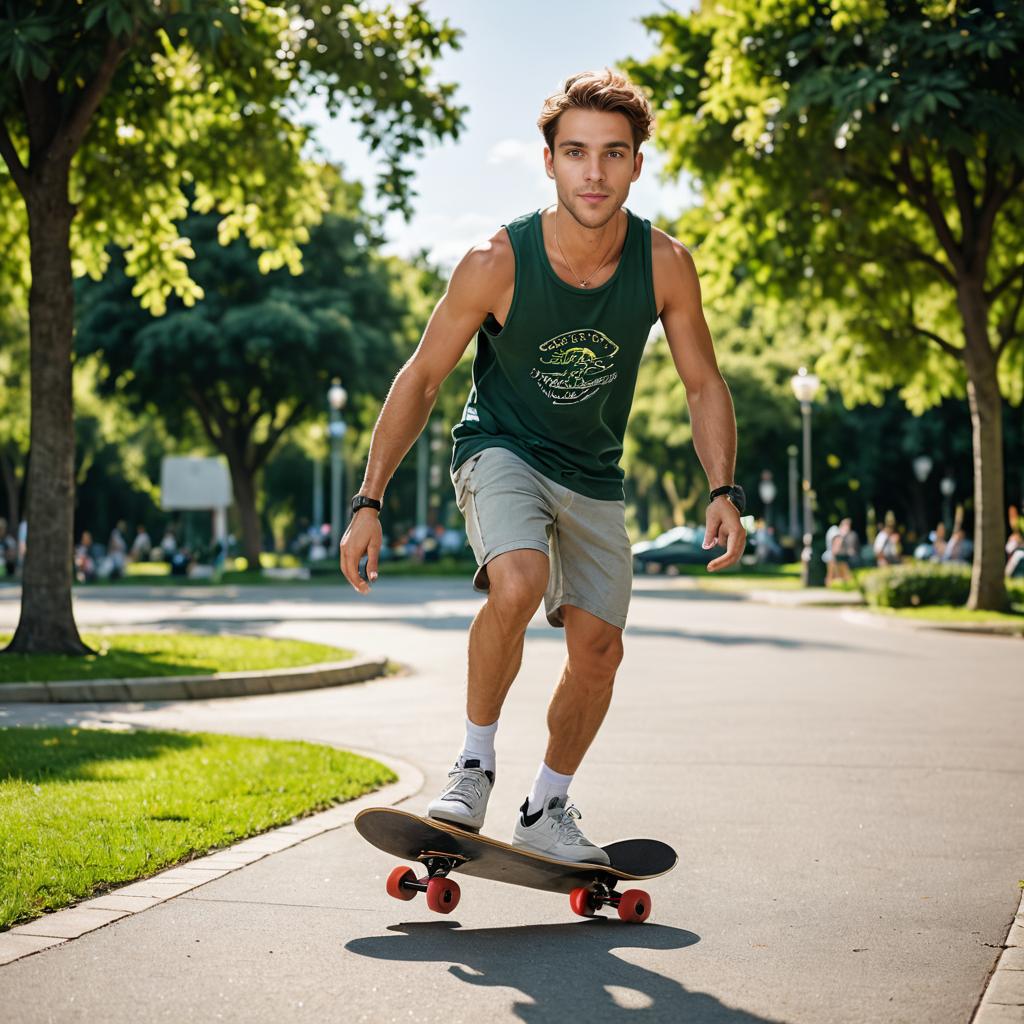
x: 518, y: 579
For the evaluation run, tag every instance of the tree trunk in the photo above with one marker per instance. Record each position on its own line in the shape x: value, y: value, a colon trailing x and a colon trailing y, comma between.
x: 47, y: 624
x: 244, y: 483
x: 678, y: 506
x: 988, y: 586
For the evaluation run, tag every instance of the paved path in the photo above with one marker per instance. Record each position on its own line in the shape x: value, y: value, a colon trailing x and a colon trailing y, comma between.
x: 846, y: 802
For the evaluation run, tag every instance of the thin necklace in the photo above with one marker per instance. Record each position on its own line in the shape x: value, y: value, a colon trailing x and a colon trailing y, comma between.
x: 584, y: 283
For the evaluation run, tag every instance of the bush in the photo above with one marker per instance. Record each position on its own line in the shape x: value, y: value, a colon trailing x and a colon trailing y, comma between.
x: 922, y: 583
x: 914, y: 584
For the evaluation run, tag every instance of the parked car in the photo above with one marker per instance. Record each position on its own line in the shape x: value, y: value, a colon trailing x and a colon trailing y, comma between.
x: 679, y: 546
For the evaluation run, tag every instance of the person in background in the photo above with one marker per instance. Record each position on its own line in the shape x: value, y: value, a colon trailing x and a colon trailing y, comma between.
x: 8, y: 550
x: 141, y: 546
x: 169, y: 544
x: 1015, y: 554
x: 828, y: 555
x: 955, y: 548
x: 938, y: 541
x: 85, y: 563
x: 117, y: 549
x: 892, y: 550
x: 22, y: 543
x: 845, y: 551
x: 766, y: 548
x: 881, y: 540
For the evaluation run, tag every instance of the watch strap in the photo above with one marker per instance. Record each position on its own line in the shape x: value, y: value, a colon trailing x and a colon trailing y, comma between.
x: 362, y: 501
x: 733, y: 492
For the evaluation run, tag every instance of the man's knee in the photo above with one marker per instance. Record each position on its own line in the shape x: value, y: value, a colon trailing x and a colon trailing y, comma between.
x: 595, y: 647
x: 518, y: 580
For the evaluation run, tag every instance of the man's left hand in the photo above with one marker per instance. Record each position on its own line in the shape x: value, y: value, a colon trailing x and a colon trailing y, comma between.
x: 724, y: 528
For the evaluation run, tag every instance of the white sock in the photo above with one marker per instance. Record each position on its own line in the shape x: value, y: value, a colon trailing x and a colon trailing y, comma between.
x: 547, y: 784
x: 479, y: 744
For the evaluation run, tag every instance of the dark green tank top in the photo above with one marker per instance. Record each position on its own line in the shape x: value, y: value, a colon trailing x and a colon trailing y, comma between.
x: 555, y: 383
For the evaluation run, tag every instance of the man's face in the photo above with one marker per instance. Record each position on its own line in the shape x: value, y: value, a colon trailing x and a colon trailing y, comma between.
x: 593, y: 155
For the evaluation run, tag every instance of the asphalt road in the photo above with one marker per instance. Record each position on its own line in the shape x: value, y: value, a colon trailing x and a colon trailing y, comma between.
x: 845, y: 801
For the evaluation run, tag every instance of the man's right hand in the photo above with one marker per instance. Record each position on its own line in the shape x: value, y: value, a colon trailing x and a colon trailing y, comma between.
x: 362, y: 537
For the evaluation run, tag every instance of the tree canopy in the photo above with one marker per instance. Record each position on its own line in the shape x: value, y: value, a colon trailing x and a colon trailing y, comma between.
x: 256, y: 355
x: 862, y: 161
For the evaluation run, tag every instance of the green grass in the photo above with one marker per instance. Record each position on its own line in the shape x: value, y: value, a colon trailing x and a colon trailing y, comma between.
x: 787, y: 570
x: 136, y: 655
x: 442, y: 567
x: 752, y: 577
x: 713, y: 581
x: 158, y: 574
x: 82, y: 810
x: 950, y: 614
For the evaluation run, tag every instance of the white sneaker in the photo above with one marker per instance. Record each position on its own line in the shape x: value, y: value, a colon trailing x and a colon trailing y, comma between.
x: 463, y: 801
x: 553, y: 832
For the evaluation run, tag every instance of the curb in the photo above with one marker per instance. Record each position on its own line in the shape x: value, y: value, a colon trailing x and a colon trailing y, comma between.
x: 220, y: 684
x: 885, y: 622
x: 1002, y: 1002
x: 780, y: 598
x: 134, y: 898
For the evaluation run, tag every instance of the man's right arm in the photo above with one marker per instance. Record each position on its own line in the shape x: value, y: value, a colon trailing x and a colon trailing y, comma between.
x: 474, y: 283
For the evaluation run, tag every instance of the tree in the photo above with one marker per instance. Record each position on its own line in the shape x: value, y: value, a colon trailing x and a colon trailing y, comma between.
x: 863, y: 160
x: 109, y: 107
x: 255, y: 357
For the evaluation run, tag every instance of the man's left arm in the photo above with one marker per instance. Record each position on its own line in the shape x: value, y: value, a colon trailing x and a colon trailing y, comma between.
x: 712, y: 416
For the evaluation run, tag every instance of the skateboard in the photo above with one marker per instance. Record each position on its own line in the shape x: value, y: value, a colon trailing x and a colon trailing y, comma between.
x: 443, y: 848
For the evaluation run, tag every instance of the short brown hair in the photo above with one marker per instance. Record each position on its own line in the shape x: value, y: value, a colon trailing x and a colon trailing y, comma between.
x: 592, y: 90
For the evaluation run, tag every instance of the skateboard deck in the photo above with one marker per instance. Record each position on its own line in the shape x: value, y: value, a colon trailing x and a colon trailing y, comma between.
x: 444, y: 848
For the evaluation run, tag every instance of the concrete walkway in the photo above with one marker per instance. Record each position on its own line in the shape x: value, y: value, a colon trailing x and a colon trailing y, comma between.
x: 845, y: 802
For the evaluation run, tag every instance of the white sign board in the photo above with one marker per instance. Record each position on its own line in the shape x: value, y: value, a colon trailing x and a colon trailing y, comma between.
x: 194, y: 483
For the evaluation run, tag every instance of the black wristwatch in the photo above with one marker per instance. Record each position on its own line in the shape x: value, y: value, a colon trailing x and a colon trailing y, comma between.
x: 361, y: 501
x: 734, y: 493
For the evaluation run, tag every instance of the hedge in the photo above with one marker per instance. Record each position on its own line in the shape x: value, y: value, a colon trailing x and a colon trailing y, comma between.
x: 922, y: 583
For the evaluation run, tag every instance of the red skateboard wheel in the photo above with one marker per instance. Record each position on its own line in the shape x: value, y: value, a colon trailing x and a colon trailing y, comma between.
x: 442, y: 895
x: 634, y: 905
x: 396, y: 878
x: 579, y: 900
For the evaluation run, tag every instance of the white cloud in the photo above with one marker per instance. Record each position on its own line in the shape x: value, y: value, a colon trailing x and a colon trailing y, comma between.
x: 513, y: 156
x: 448, y: 237
x: 517, y: 150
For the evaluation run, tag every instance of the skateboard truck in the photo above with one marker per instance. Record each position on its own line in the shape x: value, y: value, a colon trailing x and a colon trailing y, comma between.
x: 632, y: 905
x: 442, y: 892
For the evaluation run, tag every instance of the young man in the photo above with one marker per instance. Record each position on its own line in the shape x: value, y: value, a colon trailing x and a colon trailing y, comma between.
x: 561, y: 302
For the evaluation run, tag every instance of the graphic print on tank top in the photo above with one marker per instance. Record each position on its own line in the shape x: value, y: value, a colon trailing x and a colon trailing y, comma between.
x: 575, y: 365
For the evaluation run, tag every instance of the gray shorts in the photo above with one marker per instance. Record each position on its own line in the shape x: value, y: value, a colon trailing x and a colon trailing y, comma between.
x: 508, y: 505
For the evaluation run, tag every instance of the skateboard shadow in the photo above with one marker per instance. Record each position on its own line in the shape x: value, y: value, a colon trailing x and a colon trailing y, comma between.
x: 564, y: 971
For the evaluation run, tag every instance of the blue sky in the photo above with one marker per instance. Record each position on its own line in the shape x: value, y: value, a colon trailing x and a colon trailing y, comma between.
x: 512, y: 57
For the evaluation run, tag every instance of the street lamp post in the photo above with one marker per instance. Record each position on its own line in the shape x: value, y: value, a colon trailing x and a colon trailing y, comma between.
x: 318, y: 482
x: 767, y: 490
x: 794, y: 525
x: 336, y: 398
x: 436, y: 449
x: 422, y: 476
x: 922, y: 467
x: 947, y: 485
x: 805, y: 387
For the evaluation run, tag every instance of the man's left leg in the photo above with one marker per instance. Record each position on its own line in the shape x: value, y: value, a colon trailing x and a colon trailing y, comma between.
x: 575, y: 714
x: 584, y: 690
